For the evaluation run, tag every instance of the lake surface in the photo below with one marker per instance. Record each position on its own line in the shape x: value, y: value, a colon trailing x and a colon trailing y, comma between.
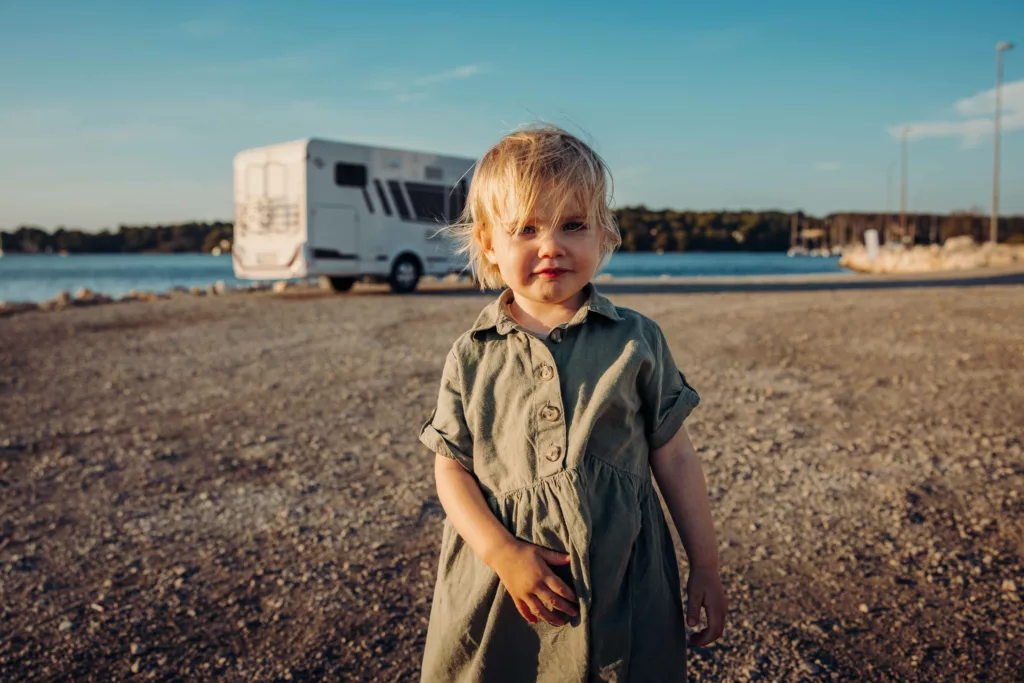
x: 37, y: 277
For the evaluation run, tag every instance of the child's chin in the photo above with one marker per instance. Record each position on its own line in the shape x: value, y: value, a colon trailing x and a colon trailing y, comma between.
x: 556, y: 289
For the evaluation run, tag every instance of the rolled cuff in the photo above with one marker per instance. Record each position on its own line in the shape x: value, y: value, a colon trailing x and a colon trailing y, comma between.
x: 676, y: 415
x: 436, y: 442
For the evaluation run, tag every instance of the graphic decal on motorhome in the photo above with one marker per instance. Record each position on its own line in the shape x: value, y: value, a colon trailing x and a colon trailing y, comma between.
x: 267, y: 216
x: 383, y: 196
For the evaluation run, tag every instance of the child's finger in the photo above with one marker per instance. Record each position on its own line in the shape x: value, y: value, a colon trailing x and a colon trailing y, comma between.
x: 716, y: 625
x: 701, y: 638
x: 716, y: 621
x: 544, y: 613
x: 524, y: 610
x: 555, y: 601
x: 693, y: 603
x: 558, y: 587
x: 551, y: 557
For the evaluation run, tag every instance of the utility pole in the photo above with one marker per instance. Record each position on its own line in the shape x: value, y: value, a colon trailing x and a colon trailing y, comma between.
x: 994, y: 226
x: 888, y: 202
x: 903, y: 185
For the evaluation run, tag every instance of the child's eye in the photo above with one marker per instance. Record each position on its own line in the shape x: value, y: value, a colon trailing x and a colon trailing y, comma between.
x: 528, y: 230
x: 574, y: 226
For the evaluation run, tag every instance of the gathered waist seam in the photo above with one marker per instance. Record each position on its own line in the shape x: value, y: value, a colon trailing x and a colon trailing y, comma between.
x: 535, y: 484
x: 641, y: 479
x: 566, y: 473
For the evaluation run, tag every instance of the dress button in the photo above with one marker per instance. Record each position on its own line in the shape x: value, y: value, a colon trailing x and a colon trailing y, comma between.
x: 546, y: 372
x: 553, y: 453
x: 556, y: 335
x: 550, y: 413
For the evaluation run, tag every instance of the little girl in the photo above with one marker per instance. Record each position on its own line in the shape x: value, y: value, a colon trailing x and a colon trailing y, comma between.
x: 557, y: 563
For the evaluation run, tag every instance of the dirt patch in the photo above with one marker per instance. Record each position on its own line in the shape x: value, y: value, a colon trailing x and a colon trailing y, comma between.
x: 232, y: 488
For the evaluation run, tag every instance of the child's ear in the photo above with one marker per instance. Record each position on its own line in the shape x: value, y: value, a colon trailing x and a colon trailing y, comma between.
x: 483, y: 238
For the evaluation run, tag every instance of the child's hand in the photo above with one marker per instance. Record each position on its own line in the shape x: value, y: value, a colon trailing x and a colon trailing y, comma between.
x: 704, y: 588
x: 537, y: 591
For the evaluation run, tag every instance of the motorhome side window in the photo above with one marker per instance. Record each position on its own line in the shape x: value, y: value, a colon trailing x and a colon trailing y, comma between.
x: 456, y: 200
x: 350, y: 175
x: 427, y: 201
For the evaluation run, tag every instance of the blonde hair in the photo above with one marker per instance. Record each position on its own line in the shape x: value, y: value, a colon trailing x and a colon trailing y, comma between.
x: 511, y: 176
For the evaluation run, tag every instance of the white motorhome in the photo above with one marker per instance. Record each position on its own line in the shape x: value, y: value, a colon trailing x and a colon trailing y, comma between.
x: 346, y: 212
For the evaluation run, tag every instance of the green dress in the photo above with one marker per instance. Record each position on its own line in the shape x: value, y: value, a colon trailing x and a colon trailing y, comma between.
x: 558, y: 433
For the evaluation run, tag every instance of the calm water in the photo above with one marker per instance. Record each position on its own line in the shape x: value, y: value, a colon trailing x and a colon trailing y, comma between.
x: 41, y: 277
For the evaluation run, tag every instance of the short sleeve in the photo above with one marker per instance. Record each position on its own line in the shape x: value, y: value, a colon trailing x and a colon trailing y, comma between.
x: 446, y: 432
x: 667, y: 397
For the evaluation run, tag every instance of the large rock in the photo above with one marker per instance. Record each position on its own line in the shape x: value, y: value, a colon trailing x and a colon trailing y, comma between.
x: 16, y: 307
x: 958, y: 253
x: 61, y: 301
x: 87, y: 297
x: 136, y: 295
x: 958, y: 243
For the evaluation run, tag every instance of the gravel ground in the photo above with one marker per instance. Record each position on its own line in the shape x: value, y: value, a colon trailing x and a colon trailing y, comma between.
x: 232, y: 487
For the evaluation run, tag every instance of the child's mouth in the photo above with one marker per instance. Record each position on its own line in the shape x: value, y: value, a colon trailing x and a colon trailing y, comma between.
x: 551, y: 273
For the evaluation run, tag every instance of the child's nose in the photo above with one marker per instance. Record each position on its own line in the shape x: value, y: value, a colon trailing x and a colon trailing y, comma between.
x: 551, y: 245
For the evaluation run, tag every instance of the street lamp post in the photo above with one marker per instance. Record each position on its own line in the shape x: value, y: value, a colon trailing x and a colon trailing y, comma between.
x: 888, y: 202
x: 903, y: 185
x: 994, y: 226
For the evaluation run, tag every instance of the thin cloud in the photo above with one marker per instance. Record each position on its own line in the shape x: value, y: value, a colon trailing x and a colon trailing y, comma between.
x: 827, y: 166
x: 418, y: 88
x: 977, y: 122
x: 302, y: 60
x: 458, y: 73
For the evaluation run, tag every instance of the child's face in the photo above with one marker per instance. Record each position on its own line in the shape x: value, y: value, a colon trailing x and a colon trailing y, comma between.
x: 547, y: 263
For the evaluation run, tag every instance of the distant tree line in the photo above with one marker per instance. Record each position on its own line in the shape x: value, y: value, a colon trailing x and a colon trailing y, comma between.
x: 646, y: 230
x: 129, y: 239
x: 642, y: 229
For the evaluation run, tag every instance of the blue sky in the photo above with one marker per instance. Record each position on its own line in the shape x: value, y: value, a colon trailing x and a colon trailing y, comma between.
x: 131, y: 112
